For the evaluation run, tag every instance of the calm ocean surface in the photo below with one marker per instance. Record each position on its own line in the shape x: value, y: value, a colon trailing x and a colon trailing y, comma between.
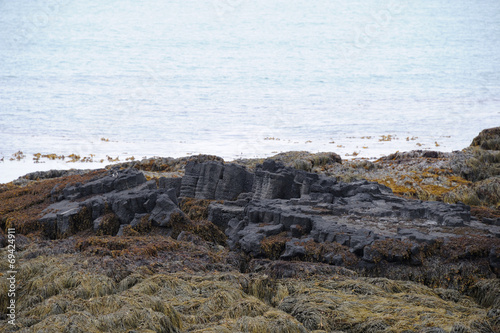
x: 241, y: 78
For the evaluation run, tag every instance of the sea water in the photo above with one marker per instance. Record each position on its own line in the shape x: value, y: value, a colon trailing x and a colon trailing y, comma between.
x: 241, y: 78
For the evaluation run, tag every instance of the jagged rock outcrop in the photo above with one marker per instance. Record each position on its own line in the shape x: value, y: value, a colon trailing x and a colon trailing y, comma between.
x: 307, y: 206
x: 297, y: 207
x: 214, y: 180
x: 126, y: 193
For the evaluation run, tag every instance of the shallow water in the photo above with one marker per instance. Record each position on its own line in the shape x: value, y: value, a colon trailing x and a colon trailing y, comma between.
x: 240, y: 78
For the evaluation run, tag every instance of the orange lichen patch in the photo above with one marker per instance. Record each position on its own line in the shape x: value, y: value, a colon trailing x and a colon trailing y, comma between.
x: 429, y: 184
x: 274, y: 246
x: 21, y: 207
x: 406, y: 189
x: 434, y: 191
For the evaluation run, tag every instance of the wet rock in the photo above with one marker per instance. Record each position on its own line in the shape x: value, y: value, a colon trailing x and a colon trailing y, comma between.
x: 371, y: 255
x: 246, y: 235
x: 60, y: 217
x: 235, y: 180
x: 293, y: 250
x: 233, y: 229
x: 137, y: 219
x: 221, y: 214
x: 416, y: 235
x: 121, y: 230
x: 491, y: 221
x: 98, y: 222
x: 270, y: 230
x: 327, y: 230
x: 275, y: 181
x: 126, y: 204
x: 275, y: 199
x: 408, y: 155
x: 209, y: 175
x: 128, y: 179
x: 171, y: 183
x: 251, y: 243
x: 297, y: 219
x: 107, y: 224
x: 297, y: 230
x: 163, y: 210
x: 96, y: 205
x: 361, y: 239
x: 334, y: 259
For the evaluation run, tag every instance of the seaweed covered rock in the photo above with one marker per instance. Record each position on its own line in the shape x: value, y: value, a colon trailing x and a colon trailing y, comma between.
x: 488, y: 139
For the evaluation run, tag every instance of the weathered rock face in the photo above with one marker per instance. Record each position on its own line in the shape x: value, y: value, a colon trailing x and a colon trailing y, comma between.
x: 117, y: 181
x: 214, y: 180
x: 126, y: 193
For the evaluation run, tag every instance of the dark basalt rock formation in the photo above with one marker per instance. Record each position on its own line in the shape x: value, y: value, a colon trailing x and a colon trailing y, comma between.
x: 214, y: 180
x: 124, y: 192
x: 311, y: 207
x: 274, y: 201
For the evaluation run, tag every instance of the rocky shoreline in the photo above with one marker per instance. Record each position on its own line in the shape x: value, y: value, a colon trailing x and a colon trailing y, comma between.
x: 419, y: 223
